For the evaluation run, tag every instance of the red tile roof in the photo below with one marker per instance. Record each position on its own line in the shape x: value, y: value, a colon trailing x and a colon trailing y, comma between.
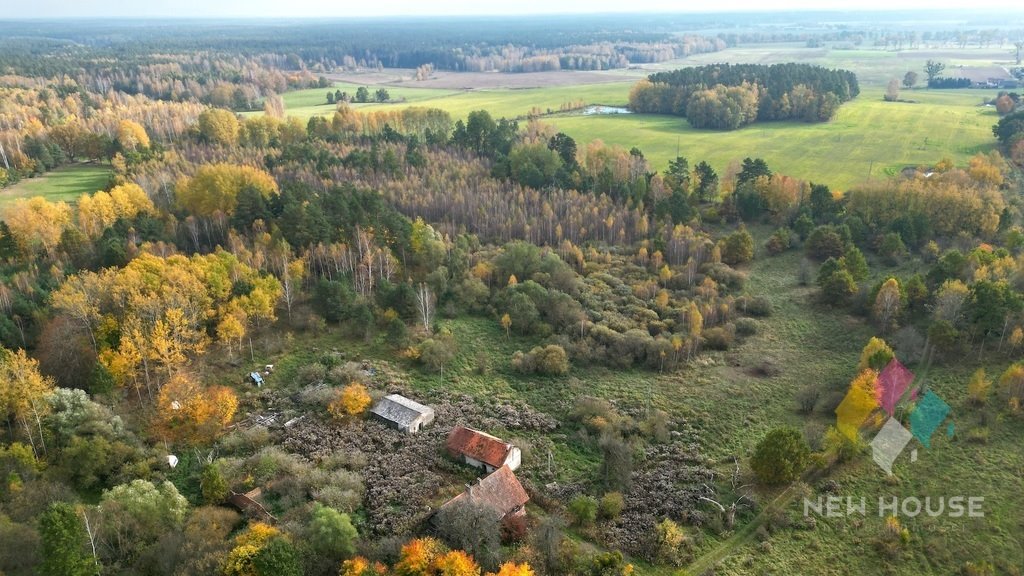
x: 478, y: 446
x: 500, y: 491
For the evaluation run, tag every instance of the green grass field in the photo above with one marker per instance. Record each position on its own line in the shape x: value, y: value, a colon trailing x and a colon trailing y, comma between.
x: 459, y: 103
x: 67, y: 183
x: 867, y: 137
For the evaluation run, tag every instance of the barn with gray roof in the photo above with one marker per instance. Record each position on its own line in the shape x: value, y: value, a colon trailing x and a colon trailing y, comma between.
x: 402, y: 413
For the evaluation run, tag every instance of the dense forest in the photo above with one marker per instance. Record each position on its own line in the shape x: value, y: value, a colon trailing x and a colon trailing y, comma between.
x: 729, y: 96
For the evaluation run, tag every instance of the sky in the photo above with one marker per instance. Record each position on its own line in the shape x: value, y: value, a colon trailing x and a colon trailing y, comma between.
x: 342, y: 8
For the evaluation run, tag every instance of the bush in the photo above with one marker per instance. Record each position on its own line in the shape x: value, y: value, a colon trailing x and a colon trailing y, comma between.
x: 718, y: 338
x: 551, y: 360
x: 891, y: 248
x: 746, y: 327
x: 738, y: 247
x: 583, y: 510
x: 311, y: 374
x: 807, y: 399
x: 754, y: 306
x: 779, y: 242
x: 826, y: 242
x: 214, y: 487
x: 513, y: 529
x: 611, y: 506
x: 780, y: 456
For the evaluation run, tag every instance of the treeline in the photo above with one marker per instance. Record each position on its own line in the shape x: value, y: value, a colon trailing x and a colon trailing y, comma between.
x: 219, y: 63
x: 728, y: 96
x: 1010, y: 132
x: 949, y: 83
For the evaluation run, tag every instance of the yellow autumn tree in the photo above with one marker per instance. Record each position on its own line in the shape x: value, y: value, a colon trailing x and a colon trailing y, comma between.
x: 350, y: 401
x: 37, y: 225
x: 215, y: 187
x: 1011, y: 384
x: 131, y: 135
x: 99, y: 211
x: 978, y: 387
x: 695, y: 325
x: 219, y: 126
x: 23, y: 390
x: 247, y: 545
x: 875, y: 355
x: 860, y: 406
x: 191, y: 413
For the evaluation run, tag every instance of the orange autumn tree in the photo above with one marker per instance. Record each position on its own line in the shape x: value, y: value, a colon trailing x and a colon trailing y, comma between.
x: 191, y: 413
x: 513, y: 569
x: 352, y: 400
x: 360, y: 566
x: 417, y: 557
x: 456, y: 563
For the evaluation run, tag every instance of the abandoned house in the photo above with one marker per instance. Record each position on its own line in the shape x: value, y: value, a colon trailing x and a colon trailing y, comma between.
x: 402, y: 413
x: 482, y: 450
x: 499, y: 491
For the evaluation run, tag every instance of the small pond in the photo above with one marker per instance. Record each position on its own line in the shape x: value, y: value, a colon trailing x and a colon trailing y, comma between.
x: 598, y: 110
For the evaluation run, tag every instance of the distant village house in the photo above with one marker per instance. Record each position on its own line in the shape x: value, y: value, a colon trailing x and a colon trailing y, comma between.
x: 402, y: 413
x: 482, y: 450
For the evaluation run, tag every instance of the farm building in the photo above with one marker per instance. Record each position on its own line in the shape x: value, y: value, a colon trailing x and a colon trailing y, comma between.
x: 499, y: 491
x: 482, y: 450
x: 402, y: 413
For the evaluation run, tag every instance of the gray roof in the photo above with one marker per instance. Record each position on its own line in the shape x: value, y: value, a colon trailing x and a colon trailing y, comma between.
x: 400, y: 409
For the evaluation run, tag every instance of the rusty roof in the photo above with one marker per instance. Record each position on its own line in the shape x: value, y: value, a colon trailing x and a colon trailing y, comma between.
x: 499, y: 491
x: 478, y: 446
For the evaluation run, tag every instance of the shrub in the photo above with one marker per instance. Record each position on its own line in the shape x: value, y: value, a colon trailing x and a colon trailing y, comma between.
x: 779, y: 242
x: 891, y: 248
x: 549, y: 360
x: 583, y: 510
x: 780, y: 456
x: 754, y: 306
x: 982, y: 568
x: 670, y: 538
x: 718, y: 338
x: 513, y: 529
x: 979, y: 435
x: 611, y: 506
x: 826, y: 242
x: 746, y: 327
x: 311, y: 374
x: 213, y: 484
x: 738, y: 247
x: 807, y: 399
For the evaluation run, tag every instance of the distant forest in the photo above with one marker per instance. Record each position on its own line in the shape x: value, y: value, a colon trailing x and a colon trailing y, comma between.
x: 728, y: 96
x: 458, y: 44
